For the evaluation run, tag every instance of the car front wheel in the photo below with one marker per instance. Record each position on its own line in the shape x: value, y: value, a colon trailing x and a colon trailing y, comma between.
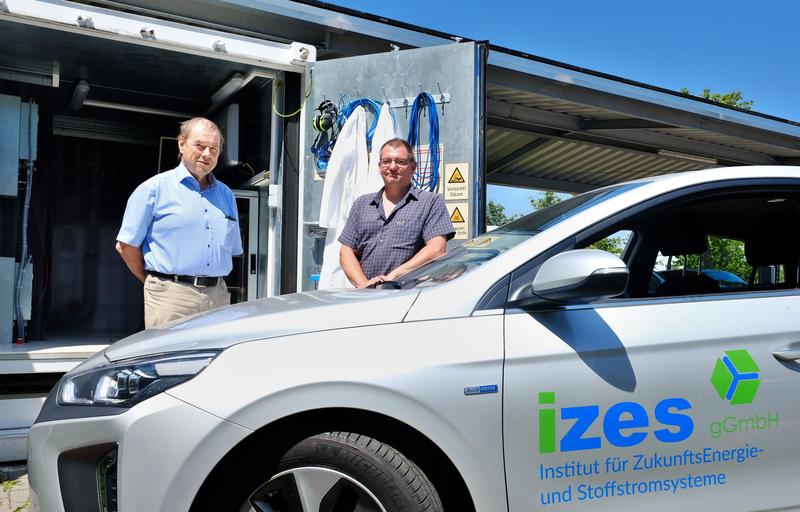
x: 345, y: 472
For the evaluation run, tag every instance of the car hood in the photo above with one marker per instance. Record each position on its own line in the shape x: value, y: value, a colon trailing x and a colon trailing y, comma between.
x: 296, y: 313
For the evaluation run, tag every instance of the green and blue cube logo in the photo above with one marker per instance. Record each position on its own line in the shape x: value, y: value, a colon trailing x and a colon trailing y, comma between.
x: 735, y: 377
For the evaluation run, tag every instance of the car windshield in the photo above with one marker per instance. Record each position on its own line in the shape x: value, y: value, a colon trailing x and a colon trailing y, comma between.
x: 473, y: 253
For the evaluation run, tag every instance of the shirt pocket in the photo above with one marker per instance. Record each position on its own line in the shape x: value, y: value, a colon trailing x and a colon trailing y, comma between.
x: 225, y: 232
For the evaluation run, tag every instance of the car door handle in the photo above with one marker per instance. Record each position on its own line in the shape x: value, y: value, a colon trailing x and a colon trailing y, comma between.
x: 788, y: 354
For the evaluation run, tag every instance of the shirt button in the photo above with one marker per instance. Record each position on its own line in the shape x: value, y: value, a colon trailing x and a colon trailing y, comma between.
x: 209, y: 245
x: 205, y: 210
x: 206, y: 227
x: 208, y: 264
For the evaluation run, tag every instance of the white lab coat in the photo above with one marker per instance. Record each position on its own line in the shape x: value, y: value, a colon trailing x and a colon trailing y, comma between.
x: 348, y: 165
x: 385, y: 130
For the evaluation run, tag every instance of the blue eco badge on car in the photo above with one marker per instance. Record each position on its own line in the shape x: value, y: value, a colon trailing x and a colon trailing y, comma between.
x: 480, y: 390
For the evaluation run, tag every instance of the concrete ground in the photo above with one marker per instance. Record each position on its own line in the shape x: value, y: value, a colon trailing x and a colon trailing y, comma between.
x: 13, y: 488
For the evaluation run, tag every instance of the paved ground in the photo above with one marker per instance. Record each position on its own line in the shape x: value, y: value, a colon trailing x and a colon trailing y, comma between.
x: 13, y: 488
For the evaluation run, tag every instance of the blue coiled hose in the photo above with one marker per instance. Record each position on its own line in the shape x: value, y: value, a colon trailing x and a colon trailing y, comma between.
x: 368, y: 104
x: 421, y: 102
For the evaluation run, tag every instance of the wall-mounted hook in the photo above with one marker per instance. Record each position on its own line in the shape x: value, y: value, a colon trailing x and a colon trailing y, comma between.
x: 405, y: 100
x: 385, y: 99
x: 441, y: 96
x: 422, y: 99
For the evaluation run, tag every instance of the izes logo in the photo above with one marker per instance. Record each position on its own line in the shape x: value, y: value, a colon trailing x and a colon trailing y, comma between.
x: 735, y: 377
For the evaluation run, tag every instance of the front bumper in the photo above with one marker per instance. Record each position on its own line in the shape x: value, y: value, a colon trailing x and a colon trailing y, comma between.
x: 165, y: 448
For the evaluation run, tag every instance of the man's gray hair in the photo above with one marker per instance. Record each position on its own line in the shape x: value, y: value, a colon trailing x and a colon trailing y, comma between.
x: 397, y: 141
x: 188, y: 126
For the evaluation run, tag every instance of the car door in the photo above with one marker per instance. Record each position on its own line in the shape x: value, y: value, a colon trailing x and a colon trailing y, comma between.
x: 664, y: 403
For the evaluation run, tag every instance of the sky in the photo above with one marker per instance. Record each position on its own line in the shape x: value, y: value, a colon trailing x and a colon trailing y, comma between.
x: 729, y: 45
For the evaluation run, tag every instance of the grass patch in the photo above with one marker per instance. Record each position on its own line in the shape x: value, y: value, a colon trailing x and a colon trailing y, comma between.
x: 7, y: 485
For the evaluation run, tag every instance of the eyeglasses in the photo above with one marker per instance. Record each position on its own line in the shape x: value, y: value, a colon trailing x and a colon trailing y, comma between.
x: 401, y: 162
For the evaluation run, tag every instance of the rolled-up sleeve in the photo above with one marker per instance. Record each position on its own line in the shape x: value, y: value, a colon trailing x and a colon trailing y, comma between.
x: 138, y: 215
x: 438, y: 221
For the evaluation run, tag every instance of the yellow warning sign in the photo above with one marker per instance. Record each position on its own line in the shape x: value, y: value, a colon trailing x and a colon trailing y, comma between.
x: 456, y: 177
x: 456, y: 182
x: 459, y: 216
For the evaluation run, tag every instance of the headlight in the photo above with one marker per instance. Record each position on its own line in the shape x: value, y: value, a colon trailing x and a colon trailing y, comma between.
x: 126, y: 383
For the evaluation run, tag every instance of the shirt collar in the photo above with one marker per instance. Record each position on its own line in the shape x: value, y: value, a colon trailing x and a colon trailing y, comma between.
x: 184, y: 176
x: 412, y: 193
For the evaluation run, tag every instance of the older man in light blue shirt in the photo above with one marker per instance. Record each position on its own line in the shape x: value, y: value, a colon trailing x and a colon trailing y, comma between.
x: 180, y: 230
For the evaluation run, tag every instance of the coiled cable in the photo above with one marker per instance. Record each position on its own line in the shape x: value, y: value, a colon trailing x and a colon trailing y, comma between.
x: 368, y: 104
x: 427, y: 175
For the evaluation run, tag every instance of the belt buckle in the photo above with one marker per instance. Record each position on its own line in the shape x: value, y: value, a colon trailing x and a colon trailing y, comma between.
x: 198, y: 285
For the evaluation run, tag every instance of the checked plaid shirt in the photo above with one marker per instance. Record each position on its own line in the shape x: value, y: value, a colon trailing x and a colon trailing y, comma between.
x: 382, y: 244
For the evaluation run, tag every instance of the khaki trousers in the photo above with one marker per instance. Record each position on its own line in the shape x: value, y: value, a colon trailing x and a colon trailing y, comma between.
x: 166, y: 300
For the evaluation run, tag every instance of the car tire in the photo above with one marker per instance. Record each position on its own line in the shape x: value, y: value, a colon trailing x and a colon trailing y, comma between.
x: 344, y: 472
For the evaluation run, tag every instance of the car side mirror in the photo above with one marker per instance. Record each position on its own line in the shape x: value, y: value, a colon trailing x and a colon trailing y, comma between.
x: 581, y: 275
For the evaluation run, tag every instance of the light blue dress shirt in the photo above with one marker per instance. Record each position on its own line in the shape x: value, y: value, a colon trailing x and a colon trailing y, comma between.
x: 181, y: 229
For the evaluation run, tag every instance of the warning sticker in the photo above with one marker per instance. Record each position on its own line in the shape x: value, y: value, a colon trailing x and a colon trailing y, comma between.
x: 456, y: 182
x: 456, y: 177
x: 480, y: 242
x: 459, y: 215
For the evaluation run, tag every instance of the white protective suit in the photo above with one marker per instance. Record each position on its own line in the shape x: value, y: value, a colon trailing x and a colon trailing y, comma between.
x: 385, y: 130
x: 351, y: 173
x: 348, y: 165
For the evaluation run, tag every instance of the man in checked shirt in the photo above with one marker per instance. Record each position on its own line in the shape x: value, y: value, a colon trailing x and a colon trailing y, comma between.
x: 396, y: 229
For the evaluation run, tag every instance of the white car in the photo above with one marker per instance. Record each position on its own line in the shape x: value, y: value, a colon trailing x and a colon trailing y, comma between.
x: 524, y: 370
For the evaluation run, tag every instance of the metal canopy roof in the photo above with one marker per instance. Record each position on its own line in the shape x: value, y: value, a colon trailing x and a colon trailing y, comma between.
x: 615, y: 130
x: 550, y: 125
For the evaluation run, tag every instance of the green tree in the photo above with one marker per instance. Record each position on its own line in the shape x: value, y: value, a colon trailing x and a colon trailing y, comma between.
x: 732, y: 99
x: 496, y: 214
x: 722, y: 254
x: 612, y: 244
x: 549, y: 198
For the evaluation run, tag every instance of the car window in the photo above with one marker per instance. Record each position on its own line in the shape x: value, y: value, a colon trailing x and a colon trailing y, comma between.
x: 729, y: 240
x: 724, y: 261
x: 615, y: 244
x: 743, y: 244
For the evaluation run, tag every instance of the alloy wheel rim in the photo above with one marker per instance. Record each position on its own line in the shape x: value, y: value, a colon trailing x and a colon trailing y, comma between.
x: 314, y: 489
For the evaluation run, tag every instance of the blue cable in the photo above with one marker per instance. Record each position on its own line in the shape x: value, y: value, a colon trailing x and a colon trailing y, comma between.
x: 421, y: 102
x: 368, y: 104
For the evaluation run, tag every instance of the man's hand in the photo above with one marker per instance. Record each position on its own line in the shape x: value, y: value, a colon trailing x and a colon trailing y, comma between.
x: 133, y: 258
x: 374, y: 280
